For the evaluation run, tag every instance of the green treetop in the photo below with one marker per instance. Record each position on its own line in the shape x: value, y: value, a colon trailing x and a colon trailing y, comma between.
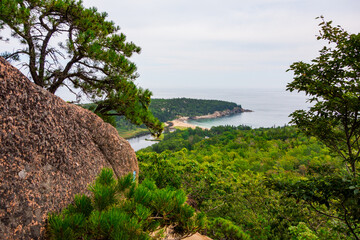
x: 65, y: 44
x: 332, y: 82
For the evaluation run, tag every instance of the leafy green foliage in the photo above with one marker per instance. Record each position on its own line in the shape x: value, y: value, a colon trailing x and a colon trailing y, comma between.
x: 94, y: 58
x: 225, y: 172
x: 302, y: 232
x: 224, y: 229
x: 332, y: 83
x: 119, y: 209
x: 324, y: 194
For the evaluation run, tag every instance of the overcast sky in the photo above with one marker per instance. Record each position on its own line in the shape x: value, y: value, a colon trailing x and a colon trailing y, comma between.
x: 227, y: 43
x: 223, y: 43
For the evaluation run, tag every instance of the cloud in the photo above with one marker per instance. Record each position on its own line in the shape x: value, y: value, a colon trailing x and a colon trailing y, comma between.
x: 219, y: 42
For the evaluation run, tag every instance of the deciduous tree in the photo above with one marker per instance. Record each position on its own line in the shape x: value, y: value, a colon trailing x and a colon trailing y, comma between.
x: 332, y: 82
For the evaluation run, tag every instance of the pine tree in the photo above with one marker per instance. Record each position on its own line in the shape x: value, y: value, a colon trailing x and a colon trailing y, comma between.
x: 94, y: 58
x: 121, y: 209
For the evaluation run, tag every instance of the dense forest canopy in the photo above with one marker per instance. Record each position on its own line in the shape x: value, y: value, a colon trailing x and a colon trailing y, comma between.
x: 170, y: 109
x: 228, y: 173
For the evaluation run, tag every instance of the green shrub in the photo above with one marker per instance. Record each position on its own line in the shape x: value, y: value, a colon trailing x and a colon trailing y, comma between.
x: 302, y: 232
x: 223, y: 229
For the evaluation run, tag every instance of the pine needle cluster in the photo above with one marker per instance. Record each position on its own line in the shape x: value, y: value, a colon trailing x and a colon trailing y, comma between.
x: 123, y: 209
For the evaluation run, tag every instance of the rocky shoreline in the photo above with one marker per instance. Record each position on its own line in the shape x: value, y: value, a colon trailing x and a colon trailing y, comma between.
x: 182, y: 121
x: 224, y: 113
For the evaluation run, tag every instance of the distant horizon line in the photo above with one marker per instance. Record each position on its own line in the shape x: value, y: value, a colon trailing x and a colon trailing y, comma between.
x: 213, y: 88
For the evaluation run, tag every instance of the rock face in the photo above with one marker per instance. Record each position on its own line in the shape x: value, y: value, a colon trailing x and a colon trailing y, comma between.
x: 49, y: 151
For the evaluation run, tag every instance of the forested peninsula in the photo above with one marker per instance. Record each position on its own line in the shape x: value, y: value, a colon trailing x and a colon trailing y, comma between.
x: 170, y: 109
x: 175, y: 111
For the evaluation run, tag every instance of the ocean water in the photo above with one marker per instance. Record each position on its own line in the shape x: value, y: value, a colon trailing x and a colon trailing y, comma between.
x: 138, y: 143
x: 271, y: 107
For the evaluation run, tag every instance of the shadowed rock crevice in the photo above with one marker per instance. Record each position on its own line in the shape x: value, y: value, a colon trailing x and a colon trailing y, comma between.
x: 49, y: 151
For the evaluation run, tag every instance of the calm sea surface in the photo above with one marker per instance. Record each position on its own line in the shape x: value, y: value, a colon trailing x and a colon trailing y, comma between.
x: 271, y: 107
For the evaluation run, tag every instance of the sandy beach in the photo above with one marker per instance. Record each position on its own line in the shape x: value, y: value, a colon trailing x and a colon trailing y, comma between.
x: 181, y: 122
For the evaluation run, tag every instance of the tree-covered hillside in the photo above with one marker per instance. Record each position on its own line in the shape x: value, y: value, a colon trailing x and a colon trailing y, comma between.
x: 170, y: 109
x: 229, y: 174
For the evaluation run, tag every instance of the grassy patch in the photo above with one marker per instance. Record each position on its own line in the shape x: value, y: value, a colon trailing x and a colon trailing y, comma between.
x: 132, y: 133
